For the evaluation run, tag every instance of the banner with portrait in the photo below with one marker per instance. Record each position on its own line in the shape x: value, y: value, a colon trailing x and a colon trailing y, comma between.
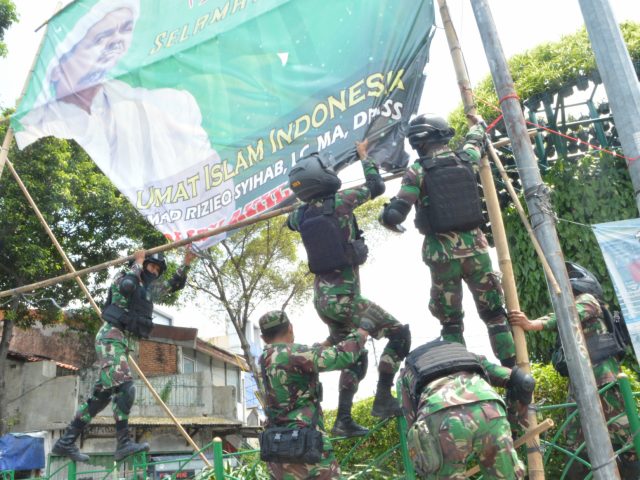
x: 197, y: 109
x: 620, y: 245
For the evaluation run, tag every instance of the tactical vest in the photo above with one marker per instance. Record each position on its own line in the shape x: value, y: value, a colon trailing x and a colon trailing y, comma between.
x: 611, y: 344
x: 137, y: 318
x: 327, y: 247
x: 452, y: 189
x: 438, y: 359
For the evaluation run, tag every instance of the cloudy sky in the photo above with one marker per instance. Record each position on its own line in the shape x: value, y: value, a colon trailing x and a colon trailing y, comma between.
x: 394, y: 277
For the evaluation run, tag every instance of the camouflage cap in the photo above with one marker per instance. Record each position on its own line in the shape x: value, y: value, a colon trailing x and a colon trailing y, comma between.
x: 272, y: 319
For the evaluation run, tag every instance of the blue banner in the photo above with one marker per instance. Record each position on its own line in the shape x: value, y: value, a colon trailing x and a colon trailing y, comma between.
x: 620, y: 245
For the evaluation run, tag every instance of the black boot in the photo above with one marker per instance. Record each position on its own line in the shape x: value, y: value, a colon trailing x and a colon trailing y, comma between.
x: 66, y: 444
x: 126, y: 446
x: 385, y: 405
x: 345, y: 426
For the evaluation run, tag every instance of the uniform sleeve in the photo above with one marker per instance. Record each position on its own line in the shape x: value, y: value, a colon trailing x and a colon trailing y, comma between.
x: 336, y: 357
x: 407, y: 403
x: 410, y: 188
x: 352, y: 198
x: 474, y: 143
x: 498, y: 375
x: 549, y: 322
x: 175, y: 283
x: 369, y: 167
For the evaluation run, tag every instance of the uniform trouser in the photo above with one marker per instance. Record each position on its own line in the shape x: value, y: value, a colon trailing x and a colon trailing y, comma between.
x: 443, y: 442
x: 326, y: 469
x: 344, y: 313
x: 114, y: 375
x: 484, y: 284
x: 619, y: 431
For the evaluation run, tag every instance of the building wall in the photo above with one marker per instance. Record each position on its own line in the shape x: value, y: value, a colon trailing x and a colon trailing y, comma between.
x: 41, y: 399
x: 158, y: 358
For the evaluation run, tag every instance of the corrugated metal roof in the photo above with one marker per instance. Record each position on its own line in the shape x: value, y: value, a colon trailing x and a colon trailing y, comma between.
x: 164, y: 421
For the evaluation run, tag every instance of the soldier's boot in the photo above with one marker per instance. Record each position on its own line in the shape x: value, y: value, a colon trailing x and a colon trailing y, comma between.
x: 66, y: 444
x: 345, y: 425
x: 385, y: 405
x: 126, y: 446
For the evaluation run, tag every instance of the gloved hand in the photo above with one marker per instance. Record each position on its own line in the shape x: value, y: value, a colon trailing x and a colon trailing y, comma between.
x: 394, y: 228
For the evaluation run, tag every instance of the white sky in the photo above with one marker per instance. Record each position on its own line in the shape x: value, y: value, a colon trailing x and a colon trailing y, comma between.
x: 395, y: 276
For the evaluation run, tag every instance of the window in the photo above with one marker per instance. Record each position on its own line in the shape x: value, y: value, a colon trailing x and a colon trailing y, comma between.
x: 188, y: 364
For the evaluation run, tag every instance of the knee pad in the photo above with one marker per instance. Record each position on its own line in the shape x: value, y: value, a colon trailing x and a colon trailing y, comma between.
x: 488, y: 315
x: 125, y: 396
x: 98, y: 400
x: 361, y: 366
x: 400, y: 341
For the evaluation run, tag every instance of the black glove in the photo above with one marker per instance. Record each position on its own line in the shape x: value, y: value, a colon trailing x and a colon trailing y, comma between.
x: 520, y: 386
x: 375, y: 184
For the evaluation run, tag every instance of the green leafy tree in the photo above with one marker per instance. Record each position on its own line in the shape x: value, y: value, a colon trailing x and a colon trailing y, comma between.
x: 591, y: 189
x: 90, y: 219
x: 8, y: 16
x: 255, y: 266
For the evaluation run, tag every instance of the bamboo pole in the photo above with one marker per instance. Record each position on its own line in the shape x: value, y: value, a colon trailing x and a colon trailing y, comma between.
x: 534, y: 457
x: 532, y: 432
x: 525, y: 221
x: 164, y: 406
x: 84, y: 289
x: 582, y: 380
x: 161, y: 248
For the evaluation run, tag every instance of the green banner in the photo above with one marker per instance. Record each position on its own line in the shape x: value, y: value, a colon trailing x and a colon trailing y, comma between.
x: 197, y: 109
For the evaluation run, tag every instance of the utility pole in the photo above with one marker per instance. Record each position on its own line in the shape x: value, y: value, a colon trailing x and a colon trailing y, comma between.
x: 537, y: 196
x: 619, y: 80
x: 534, y: 457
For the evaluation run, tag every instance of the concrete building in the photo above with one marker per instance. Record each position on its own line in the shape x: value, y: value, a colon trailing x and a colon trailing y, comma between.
x: 50, y: 372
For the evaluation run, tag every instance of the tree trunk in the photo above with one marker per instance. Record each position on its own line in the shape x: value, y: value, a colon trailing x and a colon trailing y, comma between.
x: 7, y: 333
x: 246, y: 348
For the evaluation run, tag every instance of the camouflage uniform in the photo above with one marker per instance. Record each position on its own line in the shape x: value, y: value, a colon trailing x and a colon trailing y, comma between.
x: 293, y: 386
x: 458, y: 416
x: 113, y: 346
x: 337, y: 297
x: 592, y: 322
x: 456, y: 256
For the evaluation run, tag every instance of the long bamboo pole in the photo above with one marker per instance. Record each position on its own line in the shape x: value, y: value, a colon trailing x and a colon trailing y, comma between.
x: 581, y: 374
x: 160, y: 248
x: 534, y: 457
x: 86, y: 292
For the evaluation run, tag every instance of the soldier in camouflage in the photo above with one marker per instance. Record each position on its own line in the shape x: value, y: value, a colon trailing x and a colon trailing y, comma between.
x: 337, y: 296
x: 454, y: 415
x: 589, y: 304
x: 293, y: 389
x: 458, y: 254
x: 113, y: 343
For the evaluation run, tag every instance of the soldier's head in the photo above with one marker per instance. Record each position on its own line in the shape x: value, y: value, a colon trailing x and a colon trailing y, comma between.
x: 583, y: 281
x: 275, y: 326
x: 427, y: 133
x: 313, y: 178
x: 155, y: 264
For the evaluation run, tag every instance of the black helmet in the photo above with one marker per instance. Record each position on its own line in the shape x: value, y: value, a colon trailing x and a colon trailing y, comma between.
x: 312, y: 178
x: 157, y: 259
x: 583, y: 281
x: 427, y: 130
